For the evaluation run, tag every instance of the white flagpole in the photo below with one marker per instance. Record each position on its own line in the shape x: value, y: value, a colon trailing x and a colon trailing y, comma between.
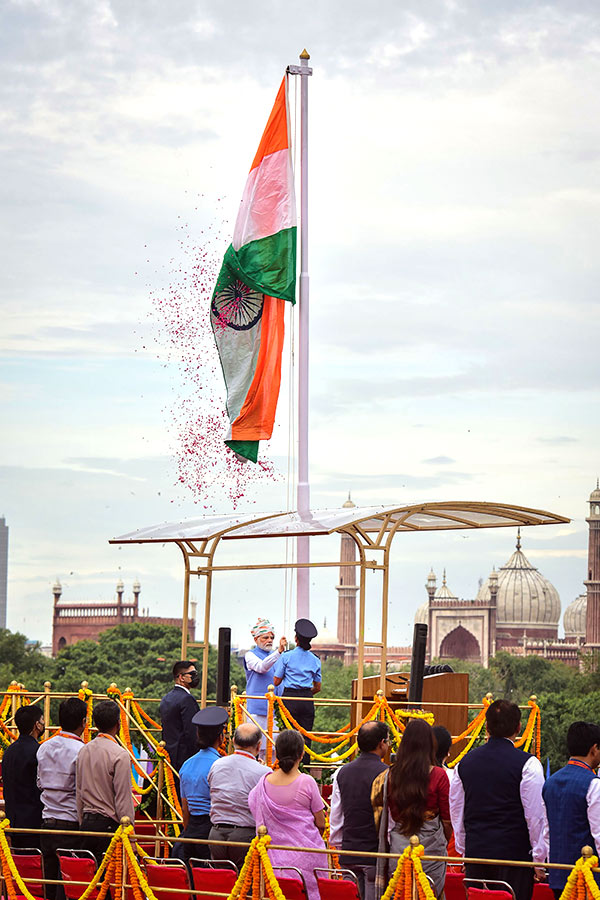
x: 303, y: 545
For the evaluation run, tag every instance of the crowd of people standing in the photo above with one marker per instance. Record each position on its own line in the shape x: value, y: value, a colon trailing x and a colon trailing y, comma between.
x: 494, y: 803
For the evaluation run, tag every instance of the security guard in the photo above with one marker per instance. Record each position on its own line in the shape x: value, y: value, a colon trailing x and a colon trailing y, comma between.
x: 195, y: 793
x: 299, y: 671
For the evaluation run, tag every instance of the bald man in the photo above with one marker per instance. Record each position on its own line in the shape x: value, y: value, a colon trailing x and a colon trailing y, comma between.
x: 230, y: 780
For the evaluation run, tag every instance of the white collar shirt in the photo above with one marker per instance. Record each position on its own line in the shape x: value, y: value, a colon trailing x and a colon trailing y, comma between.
x: 56, y: 760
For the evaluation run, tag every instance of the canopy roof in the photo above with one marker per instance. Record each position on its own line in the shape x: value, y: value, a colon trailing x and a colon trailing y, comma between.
x: 429, y: 516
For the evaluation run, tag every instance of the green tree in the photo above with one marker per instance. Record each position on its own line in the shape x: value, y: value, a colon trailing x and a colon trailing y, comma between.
x: 22, y: 661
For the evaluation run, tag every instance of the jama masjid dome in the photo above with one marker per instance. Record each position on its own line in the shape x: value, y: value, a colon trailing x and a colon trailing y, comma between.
x: 574, y: 617
x: 525, y: 599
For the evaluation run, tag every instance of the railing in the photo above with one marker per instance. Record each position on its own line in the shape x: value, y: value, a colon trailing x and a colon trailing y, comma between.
x: 120, y: 868
x: 381, y: 710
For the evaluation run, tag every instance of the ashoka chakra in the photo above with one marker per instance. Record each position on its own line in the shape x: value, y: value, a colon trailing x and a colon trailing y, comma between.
x: 237, y: 306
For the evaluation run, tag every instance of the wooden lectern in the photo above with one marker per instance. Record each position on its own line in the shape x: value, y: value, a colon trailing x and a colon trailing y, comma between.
x: 447, y: 687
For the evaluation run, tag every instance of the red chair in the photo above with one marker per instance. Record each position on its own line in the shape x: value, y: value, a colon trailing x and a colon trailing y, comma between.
x: 454, y: 888
x: 167, y: 873
x: 337, y: 884
x: 216, y: 876
x: 542, y: 891
x: 76, y: 866
x: 491, y: 890
x: 145, y: 827
x: 293, y: 887
x: 30, y: 866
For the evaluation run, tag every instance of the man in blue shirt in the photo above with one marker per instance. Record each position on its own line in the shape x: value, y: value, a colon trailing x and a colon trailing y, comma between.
x: 572, y: 798
x: 195, y: 792
x: 299, y: 671
x: 258, y: 665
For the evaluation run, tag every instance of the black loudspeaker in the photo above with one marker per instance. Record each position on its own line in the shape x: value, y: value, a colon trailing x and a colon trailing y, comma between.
x: 417, y: 664
x: 223, y: 666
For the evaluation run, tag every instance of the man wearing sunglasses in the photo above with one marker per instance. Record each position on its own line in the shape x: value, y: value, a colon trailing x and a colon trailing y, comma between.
x: 177, y: 709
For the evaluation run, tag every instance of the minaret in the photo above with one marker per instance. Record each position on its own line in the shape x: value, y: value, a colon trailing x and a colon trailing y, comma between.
x: 493, y: 581
x: 57, y: 591
x: 137, y: 589
x: 120, y: 590
x: 431, y: 589
x: 347, y: 588
x: 592, y: 582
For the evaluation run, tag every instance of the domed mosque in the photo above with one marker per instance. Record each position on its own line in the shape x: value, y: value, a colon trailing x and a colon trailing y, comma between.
x: 527, y: 604
x: 517, y: 609
x: 515, y: 603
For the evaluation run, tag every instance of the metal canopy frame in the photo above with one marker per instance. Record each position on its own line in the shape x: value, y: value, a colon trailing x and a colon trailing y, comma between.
x: 372, y: 529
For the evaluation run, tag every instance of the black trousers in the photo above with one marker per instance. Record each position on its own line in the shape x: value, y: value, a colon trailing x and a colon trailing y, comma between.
x: 198, y: 827
x: 97, y: 822
x: 302, y: 711
x: 225, y: 832
x: 51, y: 843
x: 520, y: 879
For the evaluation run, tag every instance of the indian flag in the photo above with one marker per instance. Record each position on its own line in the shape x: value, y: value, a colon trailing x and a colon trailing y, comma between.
x: 257, y: 276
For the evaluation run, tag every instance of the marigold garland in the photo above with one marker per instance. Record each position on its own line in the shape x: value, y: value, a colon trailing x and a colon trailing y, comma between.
x: 400, y: 885
x: 87, y: 696
x: 581, y: 883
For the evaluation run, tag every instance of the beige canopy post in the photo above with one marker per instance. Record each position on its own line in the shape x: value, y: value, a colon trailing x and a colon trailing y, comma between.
x: 372, y: 528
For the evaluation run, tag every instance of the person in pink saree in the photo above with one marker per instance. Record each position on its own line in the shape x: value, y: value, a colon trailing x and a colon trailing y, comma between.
x: 289, y: 805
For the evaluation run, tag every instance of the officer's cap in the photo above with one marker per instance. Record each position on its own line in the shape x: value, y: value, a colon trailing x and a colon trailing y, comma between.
x: 211, y: 717
x: 305, y: 628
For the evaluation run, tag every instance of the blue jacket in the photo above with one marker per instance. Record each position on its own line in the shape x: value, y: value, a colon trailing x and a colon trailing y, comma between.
x: 565, y: 796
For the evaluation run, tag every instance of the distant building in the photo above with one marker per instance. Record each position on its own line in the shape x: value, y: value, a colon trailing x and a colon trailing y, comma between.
x: 517, y: 609
x: 3, y: 570
x: 86, y: 621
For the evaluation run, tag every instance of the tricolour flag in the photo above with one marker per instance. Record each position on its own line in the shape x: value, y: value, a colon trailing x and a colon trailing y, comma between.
x: 257, y: 276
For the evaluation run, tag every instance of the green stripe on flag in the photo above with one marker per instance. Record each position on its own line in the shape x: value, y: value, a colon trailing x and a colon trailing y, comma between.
x: 247, y: 449
x: 267, y: 265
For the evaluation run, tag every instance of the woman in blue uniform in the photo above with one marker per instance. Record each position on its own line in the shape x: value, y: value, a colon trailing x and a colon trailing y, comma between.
x: 299, y: 671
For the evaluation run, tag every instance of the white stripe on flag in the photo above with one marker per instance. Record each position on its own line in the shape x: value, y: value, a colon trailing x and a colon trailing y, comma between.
x: 268, y: 204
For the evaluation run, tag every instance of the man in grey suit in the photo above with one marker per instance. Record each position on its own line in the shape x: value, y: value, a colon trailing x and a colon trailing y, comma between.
x: 177, y: 709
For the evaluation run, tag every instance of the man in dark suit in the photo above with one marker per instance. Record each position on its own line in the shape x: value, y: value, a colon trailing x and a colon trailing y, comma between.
x: 496, y: 804
x: 177, y: 709
x: 22, y: 801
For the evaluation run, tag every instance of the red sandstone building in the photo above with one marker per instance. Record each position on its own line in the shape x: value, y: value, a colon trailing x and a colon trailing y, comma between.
x: 74, y: 622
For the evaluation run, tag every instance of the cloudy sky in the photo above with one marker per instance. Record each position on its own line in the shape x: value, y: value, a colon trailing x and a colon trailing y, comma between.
x: 455, y: 201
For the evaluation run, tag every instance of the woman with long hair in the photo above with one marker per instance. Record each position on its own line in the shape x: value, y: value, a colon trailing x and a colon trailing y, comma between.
x: 414, y: 796
x: 289, y: 805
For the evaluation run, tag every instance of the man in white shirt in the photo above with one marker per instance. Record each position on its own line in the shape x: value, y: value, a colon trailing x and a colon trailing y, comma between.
x: 230, y: 780
x: 496, y: 804
x: 258, y: 664
x: 56, y: 759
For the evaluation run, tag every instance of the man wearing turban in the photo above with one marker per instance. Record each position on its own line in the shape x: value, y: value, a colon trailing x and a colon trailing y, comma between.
x: 258, y: 663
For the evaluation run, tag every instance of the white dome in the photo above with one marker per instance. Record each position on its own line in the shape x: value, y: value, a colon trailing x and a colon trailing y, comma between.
x: 325, y: 637
x: 574, y: 617
x: 422, y: 614
x: 444, y: 592
x: 524, y: 596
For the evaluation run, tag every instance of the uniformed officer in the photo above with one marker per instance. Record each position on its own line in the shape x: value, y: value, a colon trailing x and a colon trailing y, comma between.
x: 299, y: 671
x: 195, y: 793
